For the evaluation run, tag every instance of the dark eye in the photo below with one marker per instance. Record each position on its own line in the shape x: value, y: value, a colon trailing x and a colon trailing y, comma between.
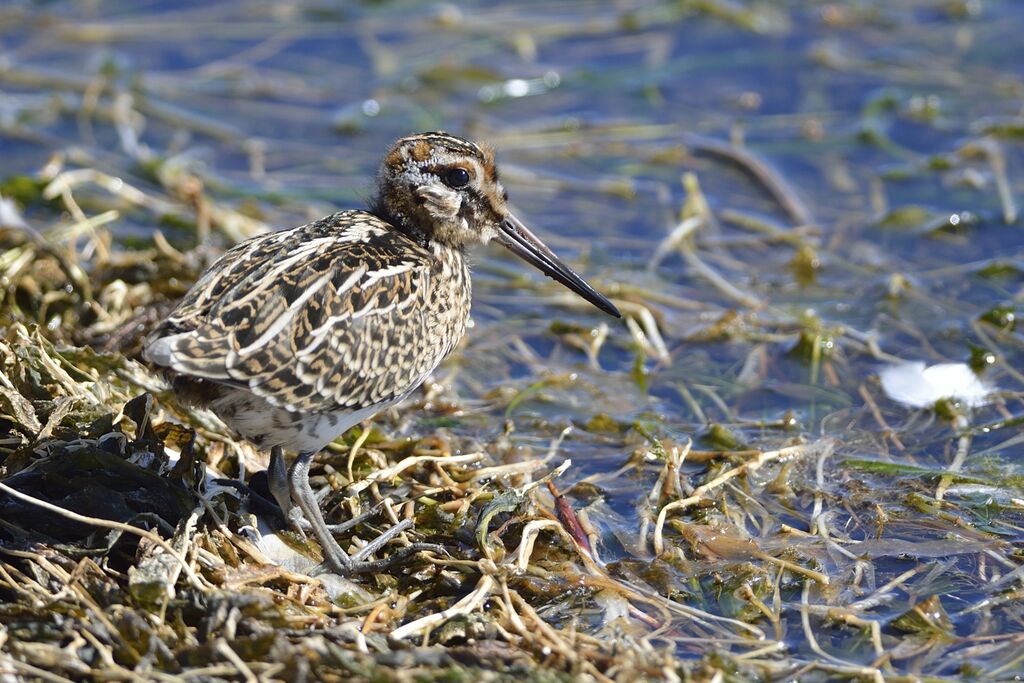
x: 456, y: 177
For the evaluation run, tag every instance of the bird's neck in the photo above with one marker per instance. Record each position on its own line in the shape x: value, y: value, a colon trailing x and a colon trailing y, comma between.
x: 412, y: 229
x: 379, y: 208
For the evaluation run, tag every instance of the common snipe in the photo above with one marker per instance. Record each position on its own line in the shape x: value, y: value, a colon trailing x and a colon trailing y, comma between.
x: 295, y: 336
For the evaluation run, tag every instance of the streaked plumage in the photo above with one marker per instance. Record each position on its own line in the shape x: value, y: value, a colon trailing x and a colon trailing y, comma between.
x: 295, y: 336
x: 310, y: 325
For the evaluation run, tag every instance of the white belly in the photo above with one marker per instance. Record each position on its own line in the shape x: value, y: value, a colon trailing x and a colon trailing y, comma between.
x: 266, y: 425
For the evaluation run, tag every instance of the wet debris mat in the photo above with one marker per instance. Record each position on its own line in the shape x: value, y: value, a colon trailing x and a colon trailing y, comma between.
x: 797, y: 458
x: 121, y: 556
x: 130, y: 548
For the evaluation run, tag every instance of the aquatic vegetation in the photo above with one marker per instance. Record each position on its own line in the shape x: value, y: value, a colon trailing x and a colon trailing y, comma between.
x: 784, y: 199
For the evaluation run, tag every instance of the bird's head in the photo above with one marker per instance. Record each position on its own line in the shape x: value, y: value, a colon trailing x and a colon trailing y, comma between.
x: 442, y: 188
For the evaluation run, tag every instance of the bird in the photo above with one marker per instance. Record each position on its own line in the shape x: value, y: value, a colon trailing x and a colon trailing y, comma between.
x: 293, y: 337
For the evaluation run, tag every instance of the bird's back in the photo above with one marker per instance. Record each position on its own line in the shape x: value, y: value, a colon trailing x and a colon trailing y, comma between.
x: 335, y: 318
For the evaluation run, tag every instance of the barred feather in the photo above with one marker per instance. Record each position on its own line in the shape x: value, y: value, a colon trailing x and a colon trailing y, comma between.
x: 334, y: 316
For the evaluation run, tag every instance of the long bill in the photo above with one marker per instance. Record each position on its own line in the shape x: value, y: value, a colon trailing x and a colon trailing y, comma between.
x: 527, y: 246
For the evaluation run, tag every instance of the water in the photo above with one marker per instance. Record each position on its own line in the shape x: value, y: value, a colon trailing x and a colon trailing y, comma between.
x: 885, y: 118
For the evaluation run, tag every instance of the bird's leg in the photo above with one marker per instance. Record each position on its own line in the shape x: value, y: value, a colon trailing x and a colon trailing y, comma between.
x: 336, y: 559
x: 302, y: 493
x: 277, y: 482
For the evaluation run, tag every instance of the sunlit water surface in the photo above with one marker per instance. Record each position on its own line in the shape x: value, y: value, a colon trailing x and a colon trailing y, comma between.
x: 898, y: 125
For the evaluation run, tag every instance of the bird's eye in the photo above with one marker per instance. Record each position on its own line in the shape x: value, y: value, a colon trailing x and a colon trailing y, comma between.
x: 456, y: 177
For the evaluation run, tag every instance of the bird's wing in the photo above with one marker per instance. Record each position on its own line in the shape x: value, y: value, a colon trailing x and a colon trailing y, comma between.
x: 329, y: 316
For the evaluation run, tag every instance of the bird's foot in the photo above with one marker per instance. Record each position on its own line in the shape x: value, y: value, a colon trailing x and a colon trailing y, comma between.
x: 352, y: 567
x: 336, y: 560
x: 359, y: 564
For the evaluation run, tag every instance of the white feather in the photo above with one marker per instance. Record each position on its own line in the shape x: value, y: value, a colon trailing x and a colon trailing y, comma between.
x: 916, y: 385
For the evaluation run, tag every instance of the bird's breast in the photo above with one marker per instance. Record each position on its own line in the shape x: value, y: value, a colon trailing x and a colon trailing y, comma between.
x: 450, y: 298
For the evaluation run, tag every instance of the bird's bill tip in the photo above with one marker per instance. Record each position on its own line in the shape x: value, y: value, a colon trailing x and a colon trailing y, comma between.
x: 518, y: 239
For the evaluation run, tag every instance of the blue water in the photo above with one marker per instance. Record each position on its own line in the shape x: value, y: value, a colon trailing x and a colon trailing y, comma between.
x: 833, y: 96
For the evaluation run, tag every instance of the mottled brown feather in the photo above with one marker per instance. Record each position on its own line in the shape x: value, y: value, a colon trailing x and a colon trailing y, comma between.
x: 335, y: 315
